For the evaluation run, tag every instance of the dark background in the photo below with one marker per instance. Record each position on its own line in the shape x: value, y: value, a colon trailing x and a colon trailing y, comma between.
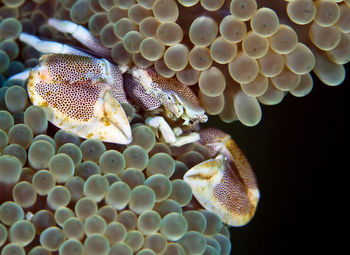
x: 296, y: 152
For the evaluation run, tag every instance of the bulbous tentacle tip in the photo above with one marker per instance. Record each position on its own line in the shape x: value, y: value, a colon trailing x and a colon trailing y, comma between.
x: 225, y: 185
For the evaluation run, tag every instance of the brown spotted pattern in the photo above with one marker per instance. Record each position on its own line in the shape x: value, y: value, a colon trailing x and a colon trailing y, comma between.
x: 73, y: 68
x: 232, y: 191
x: 240, y: 162
x: 75, y: 100
x: 209, y: 137
x: 117, y: 88
x: 137, y: 94
x: 93, y: 43
x: 172, y: 85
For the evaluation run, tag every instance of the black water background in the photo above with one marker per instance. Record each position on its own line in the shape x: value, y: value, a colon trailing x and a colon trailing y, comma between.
x: 298, y: 152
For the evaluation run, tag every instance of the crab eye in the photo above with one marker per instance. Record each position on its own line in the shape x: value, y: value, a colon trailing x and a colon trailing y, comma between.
x: 169, y: 98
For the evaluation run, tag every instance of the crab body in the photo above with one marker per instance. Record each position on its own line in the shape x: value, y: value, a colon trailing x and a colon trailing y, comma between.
x: 83, y: 94
x: 72, y: 89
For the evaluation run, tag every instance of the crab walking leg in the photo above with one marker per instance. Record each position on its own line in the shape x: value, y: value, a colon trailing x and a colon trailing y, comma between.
x: 225, y: 185
x: 47, y: 47
x: 185, y: 139
x: 82, y: 35
x: 159, y: 123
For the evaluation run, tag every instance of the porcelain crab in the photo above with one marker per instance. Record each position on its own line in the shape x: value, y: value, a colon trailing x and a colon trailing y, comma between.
x: 83, y: 94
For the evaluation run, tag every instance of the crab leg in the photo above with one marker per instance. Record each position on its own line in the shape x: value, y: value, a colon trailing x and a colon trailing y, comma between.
x: 225, y: 185
x: 160, y: 124
x: 168, y: 134
x: 47, y: 47
x: 82, y: 35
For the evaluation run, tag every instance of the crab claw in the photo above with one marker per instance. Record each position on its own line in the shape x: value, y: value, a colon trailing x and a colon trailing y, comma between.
x: 84, y: 107
x: 225, y: 185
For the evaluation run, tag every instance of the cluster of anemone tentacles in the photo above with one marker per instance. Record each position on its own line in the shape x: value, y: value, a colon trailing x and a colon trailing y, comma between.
x: 253, y: 51
x: 61, y: 194
x: 240, y: 53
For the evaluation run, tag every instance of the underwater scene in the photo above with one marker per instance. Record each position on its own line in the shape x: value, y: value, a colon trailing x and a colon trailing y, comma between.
x: 172, y: 126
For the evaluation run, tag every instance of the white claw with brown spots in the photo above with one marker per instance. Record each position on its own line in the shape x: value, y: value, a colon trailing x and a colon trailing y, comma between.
x: 76, y: 95
x: 225, y: 185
